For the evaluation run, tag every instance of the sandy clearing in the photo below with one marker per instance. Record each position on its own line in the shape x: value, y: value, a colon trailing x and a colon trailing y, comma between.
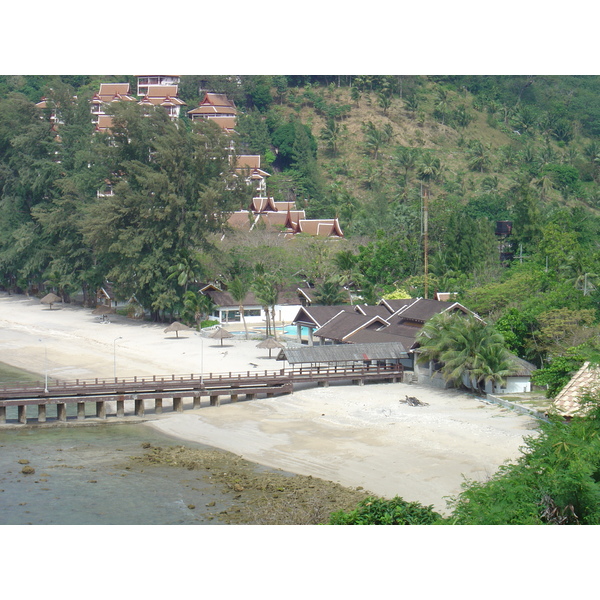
x: 354, y: 435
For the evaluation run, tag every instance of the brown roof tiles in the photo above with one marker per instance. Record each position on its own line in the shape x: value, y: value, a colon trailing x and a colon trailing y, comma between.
x: 568, y: 402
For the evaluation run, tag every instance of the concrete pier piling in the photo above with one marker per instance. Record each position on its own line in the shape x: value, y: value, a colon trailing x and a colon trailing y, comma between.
x: 139, y: 407
x: 121, y: 406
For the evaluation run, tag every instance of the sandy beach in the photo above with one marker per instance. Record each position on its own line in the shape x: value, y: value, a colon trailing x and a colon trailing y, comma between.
x: 354, y: 435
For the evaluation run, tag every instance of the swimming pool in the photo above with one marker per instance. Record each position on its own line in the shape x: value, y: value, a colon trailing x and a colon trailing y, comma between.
x: 288, y: 330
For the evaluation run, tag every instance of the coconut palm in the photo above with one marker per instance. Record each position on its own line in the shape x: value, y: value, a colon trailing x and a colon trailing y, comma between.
x: 494, y: 366
x: 429, y: 167
x: 471, y: 351
x: 267, y: 292
x: 239, y: 288
x: 330, y: 292
x: 196, y: 307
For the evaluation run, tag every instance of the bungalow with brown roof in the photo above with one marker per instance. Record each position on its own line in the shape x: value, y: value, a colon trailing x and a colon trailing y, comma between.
x: 310, y: 318
x: 144, y: 81
x: 109, y: 92
x: 390, y: 321
x: 346, y: 324
x: 519, y: 380
x: 165, y: 96
x: 248, y: 166
x: 227, y: 310
x: 217, y: 107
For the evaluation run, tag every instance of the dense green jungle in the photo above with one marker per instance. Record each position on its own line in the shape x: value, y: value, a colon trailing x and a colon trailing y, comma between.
x: 378, y: 152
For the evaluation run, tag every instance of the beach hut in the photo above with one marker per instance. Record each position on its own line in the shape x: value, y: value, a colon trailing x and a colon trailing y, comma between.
x: 176, y: 326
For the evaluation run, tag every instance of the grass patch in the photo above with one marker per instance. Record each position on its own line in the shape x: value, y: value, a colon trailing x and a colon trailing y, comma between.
x: 10, y: 374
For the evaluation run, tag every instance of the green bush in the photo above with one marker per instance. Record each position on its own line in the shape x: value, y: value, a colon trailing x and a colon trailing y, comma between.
x: 378, y: 511
x: 208, y: 323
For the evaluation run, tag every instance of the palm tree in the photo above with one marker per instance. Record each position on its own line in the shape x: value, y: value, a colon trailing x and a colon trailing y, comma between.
x: 267, y: 293
x: 196, y: 307
x: 494, y: 366
x: 471, y: 351
x: 478, y: 157
x: 429, y: 167
x: 239, y: 288
x: 330, y: 292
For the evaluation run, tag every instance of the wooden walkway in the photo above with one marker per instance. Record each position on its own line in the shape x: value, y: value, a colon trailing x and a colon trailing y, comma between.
x: 132, y: 395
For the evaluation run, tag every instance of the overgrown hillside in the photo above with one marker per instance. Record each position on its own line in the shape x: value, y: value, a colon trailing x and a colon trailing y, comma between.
x: 375, y: 151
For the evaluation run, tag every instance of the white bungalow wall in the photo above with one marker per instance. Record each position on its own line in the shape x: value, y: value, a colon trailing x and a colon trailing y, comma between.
x: 514, y: 385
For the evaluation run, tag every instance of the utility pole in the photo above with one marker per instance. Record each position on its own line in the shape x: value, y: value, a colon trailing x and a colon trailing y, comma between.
x: 425, y: 198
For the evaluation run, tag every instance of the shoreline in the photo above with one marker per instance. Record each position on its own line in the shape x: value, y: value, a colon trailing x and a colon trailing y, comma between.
x: 357, y: 436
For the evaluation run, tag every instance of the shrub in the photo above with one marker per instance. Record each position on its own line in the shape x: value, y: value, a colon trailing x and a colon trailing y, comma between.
x: 378, y: 511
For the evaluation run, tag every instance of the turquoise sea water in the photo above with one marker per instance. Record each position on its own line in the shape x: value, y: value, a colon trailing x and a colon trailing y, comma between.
x: 82, y: 478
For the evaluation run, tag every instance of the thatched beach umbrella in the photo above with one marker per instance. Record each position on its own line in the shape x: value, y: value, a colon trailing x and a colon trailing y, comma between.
x: 270, y: 343
x: 220, y: 334
x: 50, y: 299
x: 176, y: 326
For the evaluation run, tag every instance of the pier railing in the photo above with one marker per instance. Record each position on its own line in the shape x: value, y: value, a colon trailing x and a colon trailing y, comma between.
x: 177, y: 387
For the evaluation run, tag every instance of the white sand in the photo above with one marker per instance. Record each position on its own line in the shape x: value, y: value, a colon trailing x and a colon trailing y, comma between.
x: 355, y: 435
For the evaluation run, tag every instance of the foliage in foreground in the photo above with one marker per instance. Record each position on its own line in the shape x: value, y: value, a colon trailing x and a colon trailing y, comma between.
x: 377, y: 511
x: 555, y: 482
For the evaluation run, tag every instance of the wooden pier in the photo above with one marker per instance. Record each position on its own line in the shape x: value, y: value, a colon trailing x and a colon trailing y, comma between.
x: 133, y: 396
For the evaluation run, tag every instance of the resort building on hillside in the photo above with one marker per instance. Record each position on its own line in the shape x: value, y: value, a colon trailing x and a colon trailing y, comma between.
x: 165, y: 96
x: 109, y: 92
x: 162, y: 91
x: 145, y: 81
x: 248, y: 166
x: 284, y: 218
x: 218, y: 108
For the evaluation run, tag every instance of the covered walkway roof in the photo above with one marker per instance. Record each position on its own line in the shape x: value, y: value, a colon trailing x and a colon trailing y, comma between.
x: 337, y: 353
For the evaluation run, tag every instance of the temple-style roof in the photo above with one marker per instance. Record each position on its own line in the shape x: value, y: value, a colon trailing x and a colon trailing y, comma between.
x: 110, y: 92
x: 217, y: 100
x: 320, y: 227
x: 104, y: 123
x: 214, y: 105
x: 260, y: 205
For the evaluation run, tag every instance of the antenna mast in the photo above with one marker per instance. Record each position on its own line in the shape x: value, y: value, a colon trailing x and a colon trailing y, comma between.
x: 425, y: 198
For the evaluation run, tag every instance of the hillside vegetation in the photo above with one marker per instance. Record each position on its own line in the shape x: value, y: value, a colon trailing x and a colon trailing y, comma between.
x: 375, y: 151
